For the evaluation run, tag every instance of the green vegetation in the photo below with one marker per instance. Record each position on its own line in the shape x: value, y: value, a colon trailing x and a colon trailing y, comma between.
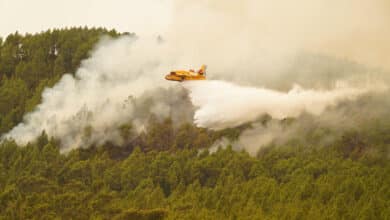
x: 289, y: 182
x: 163, y: 174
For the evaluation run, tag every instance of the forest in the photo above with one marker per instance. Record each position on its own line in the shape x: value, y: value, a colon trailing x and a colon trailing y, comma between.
x: 168, y: 171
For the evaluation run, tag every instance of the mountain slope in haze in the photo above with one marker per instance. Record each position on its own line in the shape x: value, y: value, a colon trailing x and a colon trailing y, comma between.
x: 314, y: 170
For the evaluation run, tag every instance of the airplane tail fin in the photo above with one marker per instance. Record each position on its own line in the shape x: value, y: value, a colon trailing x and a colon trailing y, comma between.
x: 202, y: 70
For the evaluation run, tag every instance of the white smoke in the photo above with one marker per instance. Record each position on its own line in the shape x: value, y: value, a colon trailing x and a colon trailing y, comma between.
x: 241, y: 41
x: 89, y: 107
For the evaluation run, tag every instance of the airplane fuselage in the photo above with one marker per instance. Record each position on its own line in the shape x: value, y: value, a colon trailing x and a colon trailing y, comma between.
x: 182, y: 75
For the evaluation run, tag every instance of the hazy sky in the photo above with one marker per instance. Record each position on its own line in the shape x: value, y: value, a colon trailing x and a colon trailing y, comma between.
x: 353, y: 29
x: 141, y: 16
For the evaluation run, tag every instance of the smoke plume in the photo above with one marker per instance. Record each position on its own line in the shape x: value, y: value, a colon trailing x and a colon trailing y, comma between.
x: 367, y: 117
x: 257, y: 53
x: 109, y: 89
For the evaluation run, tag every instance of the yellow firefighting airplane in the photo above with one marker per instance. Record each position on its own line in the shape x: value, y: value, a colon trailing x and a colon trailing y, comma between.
x: 182, y: 75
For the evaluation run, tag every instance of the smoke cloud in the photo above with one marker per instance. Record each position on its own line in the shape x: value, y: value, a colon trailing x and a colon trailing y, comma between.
x: 243, y: 39
x: 121, y: 82
x: 362, y: 116
x: 257, y: 52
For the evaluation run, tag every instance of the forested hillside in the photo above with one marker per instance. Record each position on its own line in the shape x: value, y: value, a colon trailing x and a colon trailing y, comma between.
x: 282, y: 183
x: 167, y: 171
x: 29, y: 63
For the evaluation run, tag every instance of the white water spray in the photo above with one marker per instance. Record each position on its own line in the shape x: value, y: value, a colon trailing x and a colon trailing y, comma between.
x: 222, y: 104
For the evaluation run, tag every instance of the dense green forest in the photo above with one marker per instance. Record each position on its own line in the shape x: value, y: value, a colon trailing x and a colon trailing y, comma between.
x: 166, y: 172
x: 281, y: 183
